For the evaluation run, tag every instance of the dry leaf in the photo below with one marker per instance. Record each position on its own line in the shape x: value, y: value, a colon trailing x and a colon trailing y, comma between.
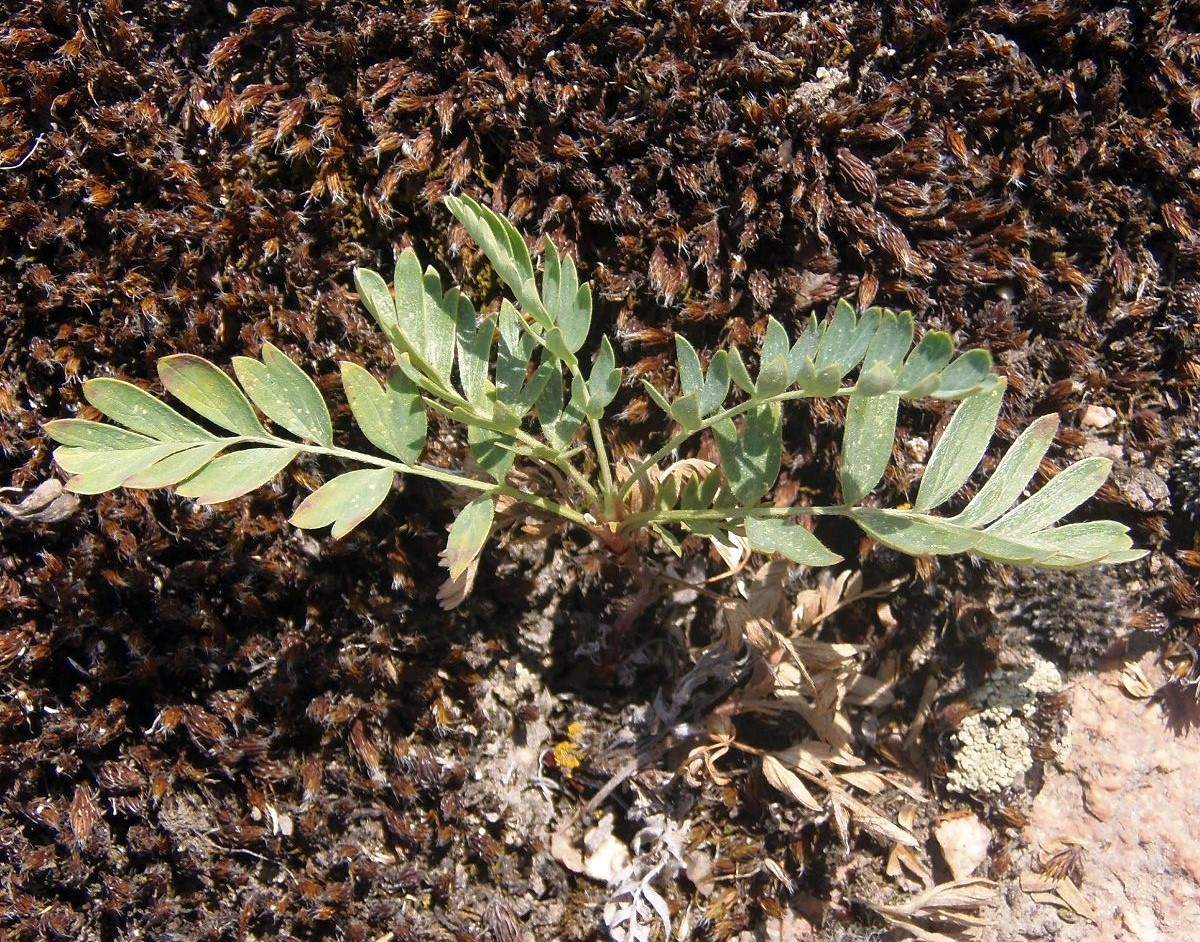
x: 902, y: 858
x: 1135, y: 683
x: 870, y: 821
x: 785, y: 780
x: 1057, y: 891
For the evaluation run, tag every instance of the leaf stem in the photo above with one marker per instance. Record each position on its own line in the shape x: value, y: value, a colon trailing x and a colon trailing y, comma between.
x: 634, y: 521
x: 445, y: 476
x: 680, y: 437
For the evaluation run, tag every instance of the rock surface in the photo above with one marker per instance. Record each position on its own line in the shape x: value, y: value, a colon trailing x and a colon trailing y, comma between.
x: 1128, y: 793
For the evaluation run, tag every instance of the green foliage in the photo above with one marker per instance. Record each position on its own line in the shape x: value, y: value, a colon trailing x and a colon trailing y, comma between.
x: 515, y: 379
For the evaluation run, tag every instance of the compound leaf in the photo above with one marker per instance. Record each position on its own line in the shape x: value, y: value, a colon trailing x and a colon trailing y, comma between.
x: 345, y: 502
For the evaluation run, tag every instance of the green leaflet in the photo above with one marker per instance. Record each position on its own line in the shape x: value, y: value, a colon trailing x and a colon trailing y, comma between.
x: 1012, y: 475
x: 344, y: 502
x: 175, y: 467
x: 505, y: 249
x: 83, y: 433
x: 468, y: 534
x: 427, y: 318
x: 377, y: 299
x: 927, y: 360
x: 202, y: 386
x: 393, y: 417
x: 559, y: 422
x: 136, y: 409
x: 604, y: 381
x: 837, y: 339
x: 716, y: 384
x: 1059, y: 497
x: 236, y: 474
x: 965, y: 375
x: 891, y: 341
x: 789, y: 540
x: 492, y: 451
x: 960, y: 448
x: 94, y: 472
x: 867, y: 443
x: 285, y: 394
x: 751, y: 459
x: 691, y: 374
x: 568, y: 303
x: 474, y: 353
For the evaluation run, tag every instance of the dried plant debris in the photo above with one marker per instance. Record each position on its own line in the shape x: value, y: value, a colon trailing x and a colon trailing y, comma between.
x: 183, y: 178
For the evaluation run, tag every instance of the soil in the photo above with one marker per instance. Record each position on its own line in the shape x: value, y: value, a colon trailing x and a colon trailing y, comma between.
x: 215, y: 727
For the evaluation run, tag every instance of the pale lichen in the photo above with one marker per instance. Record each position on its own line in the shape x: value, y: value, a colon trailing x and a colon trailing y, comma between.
x: 992, y: 747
